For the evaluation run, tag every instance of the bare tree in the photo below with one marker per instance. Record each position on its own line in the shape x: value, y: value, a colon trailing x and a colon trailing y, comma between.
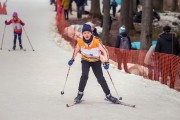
x: 124, y: 14
x: 146, y: 28
x: 135, y: 5
x: 106, y: 17
x: 174, y: 5
x: 171, y: 5
x: 158, y: 5
x: 95, y: 9
x: 130, y: 25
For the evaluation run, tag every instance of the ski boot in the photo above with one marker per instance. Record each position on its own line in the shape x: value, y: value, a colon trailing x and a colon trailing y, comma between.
x: 20, y: 47
x: 112, y: 99
x: 78, y: 98
x: 14, y: 47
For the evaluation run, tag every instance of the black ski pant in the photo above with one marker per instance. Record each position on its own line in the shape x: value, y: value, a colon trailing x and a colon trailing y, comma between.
x: 19, y: 38
x: 97, y: 70
x: 66, y: 14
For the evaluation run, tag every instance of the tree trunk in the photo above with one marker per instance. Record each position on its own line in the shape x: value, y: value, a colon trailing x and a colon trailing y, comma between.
x: 146, y: 28
x: 170, y: 5
x: 158, y: 5
x: 174, y: 5
x: 130, y: 26
x: 135, y: 5
x: 95, y: 11
x: 106, y: 16
x: 124, y: 14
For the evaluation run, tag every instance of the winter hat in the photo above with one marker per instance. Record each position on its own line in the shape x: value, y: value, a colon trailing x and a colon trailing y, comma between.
x: 15, y: 14
x: 167, y: 28
x: 122, y: 29
x: 86, y: 27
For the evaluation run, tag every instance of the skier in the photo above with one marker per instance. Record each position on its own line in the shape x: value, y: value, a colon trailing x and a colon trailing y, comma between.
x: 17, y: 25
x: 90, y: 48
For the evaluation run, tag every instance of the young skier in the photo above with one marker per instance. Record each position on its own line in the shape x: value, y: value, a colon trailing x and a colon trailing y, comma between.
x: 17, y: 25
x: 90, y: 48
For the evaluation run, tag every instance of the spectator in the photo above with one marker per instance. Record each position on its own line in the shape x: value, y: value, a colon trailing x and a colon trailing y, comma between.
x: 70, y: 6
x: 114, y: 5
x: 167, y: 43
x: 123, y: 40
x: 138, y: 16
x: 151, y: 63
x: 52, y: 2
x: 65, y: 4
x: 94, y: 30
x: 124, y: 43
x: 85, y: 2
x: 80, y: 5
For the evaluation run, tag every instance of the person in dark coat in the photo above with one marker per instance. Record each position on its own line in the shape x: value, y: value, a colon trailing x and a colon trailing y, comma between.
x: 122, y: 53
x: 80, y: 5
x: 122, y: 33
x: 94, y: 30
x: 167, y: 42
x: 52, y: 2
x: 137, y: 16
x: 114, y: 5
x: 70, y: 6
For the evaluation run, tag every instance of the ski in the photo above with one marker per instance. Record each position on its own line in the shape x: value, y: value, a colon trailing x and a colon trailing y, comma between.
x: 75, y: 103
x: 15, y: 50
x: 122, y: 103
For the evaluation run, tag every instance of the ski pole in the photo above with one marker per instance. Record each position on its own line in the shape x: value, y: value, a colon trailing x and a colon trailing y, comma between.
x: 3, y: 37
x: 28, y: 39
x: 120, y: 98
x: 62, y: 92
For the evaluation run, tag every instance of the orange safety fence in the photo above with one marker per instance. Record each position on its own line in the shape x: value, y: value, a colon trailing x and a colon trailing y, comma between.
x: 164, y: 68
x: 3, y: 9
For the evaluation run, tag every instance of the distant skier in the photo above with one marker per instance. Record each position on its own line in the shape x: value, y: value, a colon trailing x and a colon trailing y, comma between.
x: 17, y: 25
x: 90, y: 48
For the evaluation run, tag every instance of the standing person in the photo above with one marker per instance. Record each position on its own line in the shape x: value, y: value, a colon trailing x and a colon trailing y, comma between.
x: 80, y: 5
x: 123, y: 40
x: 124, y: 43
x: 65, y: 4
x: 114, y: 5
x: 93, y: 29
x: 17, y: 25
x: 90, y: 48
x: 167, y: 43
x: 70, y: 6
x: 52, y: 2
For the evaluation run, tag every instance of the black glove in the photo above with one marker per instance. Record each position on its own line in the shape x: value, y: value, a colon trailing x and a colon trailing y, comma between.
x: 6, y: 22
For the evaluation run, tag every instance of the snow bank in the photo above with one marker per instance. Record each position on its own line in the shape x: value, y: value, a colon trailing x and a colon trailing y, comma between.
x: 61, y: 42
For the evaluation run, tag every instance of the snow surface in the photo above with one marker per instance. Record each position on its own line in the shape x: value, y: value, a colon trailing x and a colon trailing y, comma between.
x: 31, y: 82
